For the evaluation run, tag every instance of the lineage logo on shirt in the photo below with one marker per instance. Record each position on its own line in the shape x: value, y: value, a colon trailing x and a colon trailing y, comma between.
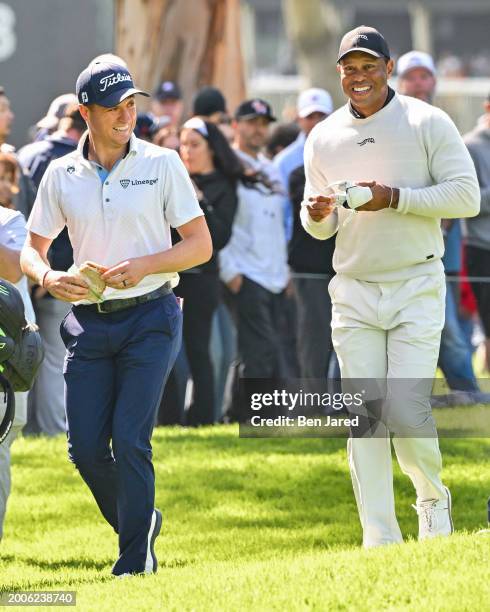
x: 126, y: 182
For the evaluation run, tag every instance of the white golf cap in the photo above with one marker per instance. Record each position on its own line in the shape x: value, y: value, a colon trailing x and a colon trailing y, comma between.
x: 415, y: 59
x: 56, y: 111
x: 314, y: 100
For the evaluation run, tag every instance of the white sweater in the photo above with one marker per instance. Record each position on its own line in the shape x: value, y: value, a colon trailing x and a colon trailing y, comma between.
x: 407, y: 144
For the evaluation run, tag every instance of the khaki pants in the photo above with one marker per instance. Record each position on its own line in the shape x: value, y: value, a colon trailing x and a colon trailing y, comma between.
x: 390, y: 331
x: 5, y: 481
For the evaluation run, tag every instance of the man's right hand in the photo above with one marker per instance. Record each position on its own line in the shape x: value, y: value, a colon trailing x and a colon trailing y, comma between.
x: 65, y: 287
x: 235, y: 284
x: 321, y: 207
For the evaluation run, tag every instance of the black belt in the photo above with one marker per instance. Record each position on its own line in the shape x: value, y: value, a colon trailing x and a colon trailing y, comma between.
x: 116, y: 305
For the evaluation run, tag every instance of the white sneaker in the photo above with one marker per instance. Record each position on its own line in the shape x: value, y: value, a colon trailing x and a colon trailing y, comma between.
x: 435, y: 517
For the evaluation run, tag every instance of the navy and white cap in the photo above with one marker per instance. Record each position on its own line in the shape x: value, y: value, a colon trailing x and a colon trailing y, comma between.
x: 364, y: 38
x: 106, y: 84
x: 168, y: 90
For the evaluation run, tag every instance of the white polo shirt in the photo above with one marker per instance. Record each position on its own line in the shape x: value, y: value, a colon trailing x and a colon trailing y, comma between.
x: 127, y: 215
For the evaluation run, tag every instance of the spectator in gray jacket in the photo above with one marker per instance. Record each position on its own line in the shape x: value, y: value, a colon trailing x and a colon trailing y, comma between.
x: 478, y: 240
x: 46, y: 410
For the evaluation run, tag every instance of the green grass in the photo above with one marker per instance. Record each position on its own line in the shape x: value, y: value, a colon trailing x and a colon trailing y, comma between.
x: 262, y: 524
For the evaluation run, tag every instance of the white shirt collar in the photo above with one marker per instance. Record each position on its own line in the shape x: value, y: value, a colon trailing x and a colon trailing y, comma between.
x: 134, y: 147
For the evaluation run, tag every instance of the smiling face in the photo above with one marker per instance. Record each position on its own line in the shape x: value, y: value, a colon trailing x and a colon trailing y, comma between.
x: 111, y: 128
x: 364, y: 80
x: 418, y: 83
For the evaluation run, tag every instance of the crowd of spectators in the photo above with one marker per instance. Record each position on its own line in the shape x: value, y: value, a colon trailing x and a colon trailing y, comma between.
x: 453, y: 66
x: 260, y: 307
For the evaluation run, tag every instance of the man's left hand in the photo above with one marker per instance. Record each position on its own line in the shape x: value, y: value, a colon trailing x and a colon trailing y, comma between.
x: 381, y: 197
x: 126, y: 274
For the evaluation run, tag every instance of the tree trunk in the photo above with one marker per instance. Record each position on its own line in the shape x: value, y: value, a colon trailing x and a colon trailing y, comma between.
x: 315, y: 28
x: 192, y: 42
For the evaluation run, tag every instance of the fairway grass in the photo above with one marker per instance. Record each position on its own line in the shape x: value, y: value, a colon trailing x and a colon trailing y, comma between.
x: 249, y: 524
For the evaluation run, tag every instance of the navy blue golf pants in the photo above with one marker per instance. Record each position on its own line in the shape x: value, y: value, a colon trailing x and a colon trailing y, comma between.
x: 115, y: 369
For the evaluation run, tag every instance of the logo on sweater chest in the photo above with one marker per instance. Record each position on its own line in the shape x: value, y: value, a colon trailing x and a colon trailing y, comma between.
x: 365, y: 141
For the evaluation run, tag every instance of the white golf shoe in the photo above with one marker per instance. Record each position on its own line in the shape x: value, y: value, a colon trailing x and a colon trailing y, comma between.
x: 435, y: 517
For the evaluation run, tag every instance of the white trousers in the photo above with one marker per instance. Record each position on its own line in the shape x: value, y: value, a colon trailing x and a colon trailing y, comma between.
x: 390, y: 331
x: 17, y: 425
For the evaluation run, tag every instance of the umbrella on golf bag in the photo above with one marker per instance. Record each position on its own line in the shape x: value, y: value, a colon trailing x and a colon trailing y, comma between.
x: 21, y: 351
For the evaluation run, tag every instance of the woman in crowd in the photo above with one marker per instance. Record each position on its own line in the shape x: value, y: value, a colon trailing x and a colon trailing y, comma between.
x: 215, y: 170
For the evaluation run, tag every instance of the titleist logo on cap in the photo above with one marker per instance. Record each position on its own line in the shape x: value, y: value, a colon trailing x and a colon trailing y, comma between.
x: 112, y: 79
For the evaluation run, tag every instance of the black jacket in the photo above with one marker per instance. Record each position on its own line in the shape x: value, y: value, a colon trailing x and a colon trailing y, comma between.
x: 219, y: 203
x: 36, y: 156
x: 306, y: 254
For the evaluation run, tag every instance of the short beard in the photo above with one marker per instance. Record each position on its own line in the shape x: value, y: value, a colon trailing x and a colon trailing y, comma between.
x: 253, y: 147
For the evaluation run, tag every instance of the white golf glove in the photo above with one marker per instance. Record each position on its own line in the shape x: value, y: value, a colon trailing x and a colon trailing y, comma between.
x: 350, y: 193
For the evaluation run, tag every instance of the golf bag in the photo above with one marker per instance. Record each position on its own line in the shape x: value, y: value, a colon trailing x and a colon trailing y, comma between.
x: 21, y: 351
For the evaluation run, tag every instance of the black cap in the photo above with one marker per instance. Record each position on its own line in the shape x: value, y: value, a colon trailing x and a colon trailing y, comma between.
x: 364, y: 38
x: 209, y: 100
x: 168, y: 90
x: 147, y: 125
x: 254, y: 108
x: 106, y: 84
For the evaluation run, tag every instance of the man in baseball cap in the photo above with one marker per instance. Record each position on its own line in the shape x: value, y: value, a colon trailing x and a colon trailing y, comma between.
x: 417, y: 78
x: 388, y: 291
x: 106, y: 84
x: 251, y: 125
x: 168, y: 90
x: 167, y: 102
x: 365, y: 66
x: 417, y: 75
x: 108, y: 192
